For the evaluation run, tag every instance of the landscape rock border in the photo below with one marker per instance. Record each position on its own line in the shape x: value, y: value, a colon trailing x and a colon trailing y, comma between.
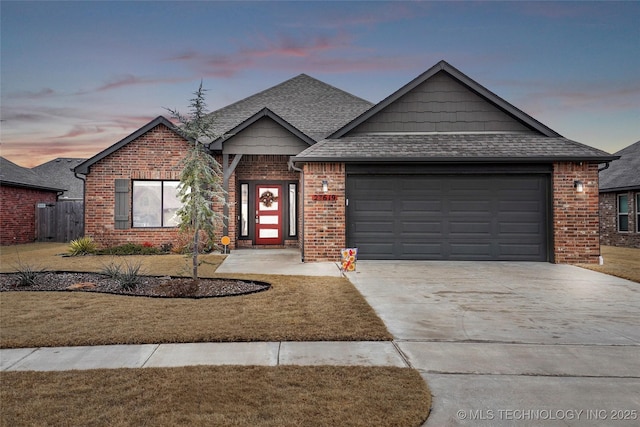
x: 148, y: 286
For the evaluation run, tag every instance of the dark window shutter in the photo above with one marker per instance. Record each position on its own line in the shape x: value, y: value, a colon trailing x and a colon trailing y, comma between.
x: 122, y: 204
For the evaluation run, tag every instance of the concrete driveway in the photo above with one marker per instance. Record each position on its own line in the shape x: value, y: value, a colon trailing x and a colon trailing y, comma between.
x: 513, y: 343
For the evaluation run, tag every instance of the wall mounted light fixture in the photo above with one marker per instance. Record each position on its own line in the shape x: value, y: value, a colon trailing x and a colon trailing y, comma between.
x: 325, y: 186
x: 579, y: 186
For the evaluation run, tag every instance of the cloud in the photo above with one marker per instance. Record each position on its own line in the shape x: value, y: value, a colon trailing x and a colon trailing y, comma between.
x: 81, y: 130
x: 43, y: 93
x: 126, y: 80
x: 321, y: 52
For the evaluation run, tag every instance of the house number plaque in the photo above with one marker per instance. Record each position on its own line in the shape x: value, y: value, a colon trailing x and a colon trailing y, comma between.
x: 324, y: 197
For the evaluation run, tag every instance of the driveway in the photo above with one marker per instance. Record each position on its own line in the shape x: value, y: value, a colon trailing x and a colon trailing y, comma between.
x: 513, y: 343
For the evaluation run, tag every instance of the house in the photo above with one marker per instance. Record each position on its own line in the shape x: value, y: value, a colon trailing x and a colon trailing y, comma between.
x: 620, y: 199
x: 60, y: 172
x: 442, y: 169
x: 22, y: 190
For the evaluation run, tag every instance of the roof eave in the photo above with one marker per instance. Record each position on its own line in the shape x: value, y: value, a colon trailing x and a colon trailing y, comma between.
x: 619, y: 189
x: 428, y: 159
x: 32, y: 186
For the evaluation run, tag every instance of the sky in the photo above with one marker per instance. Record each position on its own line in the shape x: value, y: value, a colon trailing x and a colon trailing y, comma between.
x: 76, y: 77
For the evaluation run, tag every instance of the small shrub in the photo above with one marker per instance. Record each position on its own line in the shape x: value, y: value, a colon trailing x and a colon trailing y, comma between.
x: 180, y: 288
x: 127, y: 274
x: 166, y: 247
x: 147, y: 244
x: 130, y: 249
x: 130, y: 275
x: 27, y: 273
x: 82, y: 246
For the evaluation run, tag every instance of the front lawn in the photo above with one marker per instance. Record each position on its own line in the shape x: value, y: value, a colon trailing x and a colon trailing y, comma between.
x: 620, y: 262
x: 217, y: 395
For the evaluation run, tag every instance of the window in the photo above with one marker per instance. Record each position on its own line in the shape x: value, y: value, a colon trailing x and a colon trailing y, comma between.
x: 244, y: 210
x: 637, y: 212
x: 155, y: 203
x: 623, y: 212
x: 293, y: 205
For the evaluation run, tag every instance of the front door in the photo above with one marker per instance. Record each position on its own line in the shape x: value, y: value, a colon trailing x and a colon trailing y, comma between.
x: 268, y: 215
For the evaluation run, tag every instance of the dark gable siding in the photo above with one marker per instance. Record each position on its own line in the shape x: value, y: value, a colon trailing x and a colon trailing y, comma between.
x: 441, y: 104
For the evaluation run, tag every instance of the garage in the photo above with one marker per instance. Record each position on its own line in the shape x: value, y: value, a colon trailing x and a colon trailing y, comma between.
x: 493, y: 216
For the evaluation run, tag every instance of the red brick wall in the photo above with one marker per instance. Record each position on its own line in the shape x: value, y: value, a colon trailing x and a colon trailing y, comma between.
x: 575, y: 215
x: 17, y: 213
x: 609, y: 234
x: 155, y: 155
x: 324, y: 220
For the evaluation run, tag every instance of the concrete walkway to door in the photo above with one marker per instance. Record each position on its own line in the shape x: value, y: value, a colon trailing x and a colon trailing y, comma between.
x: 513, y: 343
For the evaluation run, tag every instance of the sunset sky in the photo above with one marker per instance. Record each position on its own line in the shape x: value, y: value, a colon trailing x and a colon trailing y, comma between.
x: 76, y: 77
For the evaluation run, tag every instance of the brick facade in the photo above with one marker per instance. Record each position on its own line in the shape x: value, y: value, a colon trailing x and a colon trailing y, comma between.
x: 575, y: 215
x: 18, y: 213
x: 609, y: 234
x: 156, y: 155
x: 324, y: 220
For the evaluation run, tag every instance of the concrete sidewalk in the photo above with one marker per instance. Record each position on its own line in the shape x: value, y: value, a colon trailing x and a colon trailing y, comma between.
x: 336, y: 353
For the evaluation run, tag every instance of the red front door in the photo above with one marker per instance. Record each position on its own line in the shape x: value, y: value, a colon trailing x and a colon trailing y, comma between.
x: 268, y: 215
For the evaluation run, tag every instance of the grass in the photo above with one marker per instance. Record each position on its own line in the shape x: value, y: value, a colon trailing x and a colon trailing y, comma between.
x: 297, y: 308
x: 620, y: 262
x: 48, y: 256
x: 217, y: 395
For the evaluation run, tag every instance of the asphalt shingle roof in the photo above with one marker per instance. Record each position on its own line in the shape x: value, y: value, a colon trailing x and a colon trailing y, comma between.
x: 315, y: 108
x: 15, y: 175
x: 623, y: 173
x: 450, y: 147
x: 59, y: 172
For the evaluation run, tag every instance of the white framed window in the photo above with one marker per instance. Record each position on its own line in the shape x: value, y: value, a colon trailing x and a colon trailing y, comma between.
x: 244, y: 210
x: 155, y: 204
x: 623, y: 212
x: 293, y: 209
x: 637, y: 212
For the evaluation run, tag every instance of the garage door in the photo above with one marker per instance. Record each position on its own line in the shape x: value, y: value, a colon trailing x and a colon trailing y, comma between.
x: 448, y: 217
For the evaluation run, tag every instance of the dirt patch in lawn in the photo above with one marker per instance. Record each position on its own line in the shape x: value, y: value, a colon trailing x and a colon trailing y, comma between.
x: 217, y: 395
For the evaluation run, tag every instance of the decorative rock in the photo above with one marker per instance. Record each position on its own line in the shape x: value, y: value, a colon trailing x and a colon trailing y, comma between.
x: 82, y: 285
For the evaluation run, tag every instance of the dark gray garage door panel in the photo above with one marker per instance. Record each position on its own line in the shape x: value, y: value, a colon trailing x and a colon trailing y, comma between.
x: 457, y: 217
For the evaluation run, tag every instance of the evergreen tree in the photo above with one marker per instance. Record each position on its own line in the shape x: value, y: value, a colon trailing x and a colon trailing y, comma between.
x: 201, y: 177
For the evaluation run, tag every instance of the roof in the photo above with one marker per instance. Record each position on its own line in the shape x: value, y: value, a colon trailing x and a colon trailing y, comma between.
x: 313, y: 107
x: 541, y: 144
x: 60, y: 172
x: 460, y: 77
x: 14, y: 175
x: 83, y: 168
x: 459, y: 147
x: 624, y: 173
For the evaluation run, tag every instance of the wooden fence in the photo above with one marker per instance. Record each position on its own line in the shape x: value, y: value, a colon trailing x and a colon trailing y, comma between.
x: 62, y: 221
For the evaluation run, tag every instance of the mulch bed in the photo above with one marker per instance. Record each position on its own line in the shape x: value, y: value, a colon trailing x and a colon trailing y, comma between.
x: 148, y: 286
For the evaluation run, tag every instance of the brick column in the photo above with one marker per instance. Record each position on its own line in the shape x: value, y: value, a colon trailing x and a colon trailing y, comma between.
x: 324, y: 220
x: 575, y: 215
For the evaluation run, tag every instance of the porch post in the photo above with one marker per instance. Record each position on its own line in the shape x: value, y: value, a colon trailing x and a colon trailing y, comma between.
x: 227, y: 170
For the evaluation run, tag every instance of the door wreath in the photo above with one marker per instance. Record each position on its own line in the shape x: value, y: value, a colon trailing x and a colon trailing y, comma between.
x: 267, y: 198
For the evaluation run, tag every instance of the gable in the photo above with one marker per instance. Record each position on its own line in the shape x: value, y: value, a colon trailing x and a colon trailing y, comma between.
x: 441, y: 104
x: 264, y: 136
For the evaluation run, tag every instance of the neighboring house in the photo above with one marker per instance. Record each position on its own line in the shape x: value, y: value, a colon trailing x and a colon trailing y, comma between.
x: 442, y: 169
x: 21, y: 191
x: 60, y: 172
x: 620, y: 199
